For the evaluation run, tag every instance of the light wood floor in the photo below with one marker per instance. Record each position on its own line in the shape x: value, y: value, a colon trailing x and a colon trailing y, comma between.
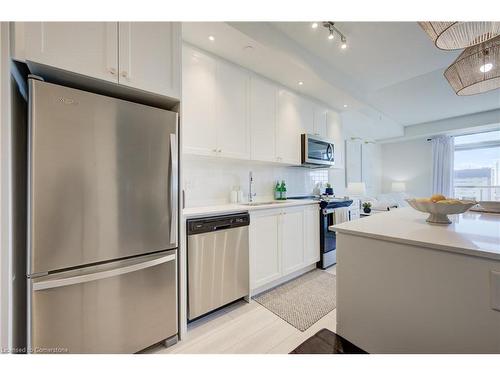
x: 245, y: 328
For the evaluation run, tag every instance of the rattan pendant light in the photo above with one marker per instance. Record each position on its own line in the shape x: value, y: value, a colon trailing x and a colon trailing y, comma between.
x: 458, y: 35
x: 476, y: 69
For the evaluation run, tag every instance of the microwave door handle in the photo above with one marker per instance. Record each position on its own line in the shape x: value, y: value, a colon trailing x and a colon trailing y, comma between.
x: 329, y: 152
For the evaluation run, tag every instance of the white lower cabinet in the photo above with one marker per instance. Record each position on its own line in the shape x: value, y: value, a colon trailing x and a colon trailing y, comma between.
x: 292, y: 239
x: 282, y: 241
x: 311, y: 234
x: 265, y: 259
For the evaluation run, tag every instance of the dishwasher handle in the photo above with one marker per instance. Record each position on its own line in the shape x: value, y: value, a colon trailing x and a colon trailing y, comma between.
x: 221, y: 227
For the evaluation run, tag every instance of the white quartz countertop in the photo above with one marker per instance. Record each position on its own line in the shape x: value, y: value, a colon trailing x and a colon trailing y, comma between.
x: 471, y: 233
x: 230, y: 208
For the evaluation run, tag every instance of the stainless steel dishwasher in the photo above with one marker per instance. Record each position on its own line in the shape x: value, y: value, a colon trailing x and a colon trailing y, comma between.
x: 218, y: 265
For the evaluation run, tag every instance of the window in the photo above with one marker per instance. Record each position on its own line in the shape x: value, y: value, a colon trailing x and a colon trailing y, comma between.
x: 477, y: 166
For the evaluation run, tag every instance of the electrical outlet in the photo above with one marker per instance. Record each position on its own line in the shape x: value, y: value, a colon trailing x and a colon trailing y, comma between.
x: 495, y: 290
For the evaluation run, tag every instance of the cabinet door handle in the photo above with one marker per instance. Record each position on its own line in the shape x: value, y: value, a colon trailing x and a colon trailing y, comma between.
x: 112, y: 71
x: 124, y: 74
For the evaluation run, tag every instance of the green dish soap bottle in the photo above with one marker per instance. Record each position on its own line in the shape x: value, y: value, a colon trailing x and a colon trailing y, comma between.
x: 277, y: 191
x: 283, y: 190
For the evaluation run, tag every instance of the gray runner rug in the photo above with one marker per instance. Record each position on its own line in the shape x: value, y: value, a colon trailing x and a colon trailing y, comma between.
x: 303, y: 301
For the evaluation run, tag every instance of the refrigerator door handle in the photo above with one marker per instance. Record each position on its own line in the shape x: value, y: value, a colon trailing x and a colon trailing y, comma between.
x: 173, y: 188
x: 65, y: 281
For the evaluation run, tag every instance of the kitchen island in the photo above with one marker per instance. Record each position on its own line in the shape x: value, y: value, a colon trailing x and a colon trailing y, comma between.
x: 406, y: 286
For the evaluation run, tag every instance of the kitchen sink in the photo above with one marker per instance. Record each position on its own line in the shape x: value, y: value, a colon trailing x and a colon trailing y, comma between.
x: 262, y: 203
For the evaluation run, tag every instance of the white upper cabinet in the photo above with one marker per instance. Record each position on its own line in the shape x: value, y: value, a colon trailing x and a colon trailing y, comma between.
x: 288, y: 128
x: 230, y: 112
x: 335, y: 132
x: 306, y: 115
x: 143, y: 55
x: 262, y: 120
x: 233, y: 136
x: 198, y: 103
x: 149, y: 56
x: 320, y: 121
x: 88, y: 48
x: 214, y: 106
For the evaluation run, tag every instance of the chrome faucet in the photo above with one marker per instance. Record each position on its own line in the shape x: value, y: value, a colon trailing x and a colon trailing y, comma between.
x: 250, y: 184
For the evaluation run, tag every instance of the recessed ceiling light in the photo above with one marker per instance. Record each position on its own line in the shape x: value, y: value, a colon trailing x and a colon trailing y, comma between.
x: 486, y: 67
x: 345, y: 105
x: 343, y: 45
x: 331, y: 36
x: 314, y: 25
x: 211, y: 38
x: 301, y: 83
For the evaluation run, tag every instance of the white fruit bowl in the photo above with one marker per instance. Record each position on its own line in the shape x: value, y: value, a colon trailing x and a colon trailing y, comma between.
x: 439, y: 211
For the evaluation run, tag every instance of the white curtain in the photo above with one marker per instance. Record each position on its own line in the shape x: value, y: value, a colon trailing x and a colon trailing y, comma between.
x: 443, y: 148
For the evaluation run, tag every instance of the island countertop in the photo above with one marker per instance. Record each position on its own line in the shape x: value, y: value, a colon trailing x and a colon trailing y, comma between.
x: 471, y: 233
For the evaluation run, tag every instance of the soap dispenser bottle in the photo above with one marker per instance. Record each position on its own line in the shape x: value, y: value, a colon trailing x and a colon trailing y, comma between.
x: 277, y: 191
x: 283, y: 190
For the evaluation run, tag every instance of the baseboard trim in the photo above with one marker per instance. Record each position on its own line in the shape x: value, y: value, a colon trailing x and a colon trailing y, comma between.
x: 282, y: 280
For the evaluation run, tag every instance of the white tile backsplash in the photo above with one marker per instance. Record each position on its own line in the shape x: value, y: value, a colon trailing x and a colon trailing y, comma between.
x: 209, y: 181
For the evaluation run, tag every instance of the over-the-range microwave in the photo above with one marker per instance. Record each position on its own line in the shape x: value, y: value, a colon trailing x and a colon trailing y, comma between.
x: 317, y: 152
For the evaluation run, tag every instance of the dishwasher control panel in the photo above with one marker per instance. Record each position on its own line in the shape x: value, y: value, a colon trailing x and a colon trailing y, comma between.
x: 212, y: 224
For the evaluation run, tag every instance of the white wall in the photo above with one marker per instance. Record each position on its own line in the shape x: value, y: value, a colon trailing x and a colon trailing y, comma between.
x: 409, y: 162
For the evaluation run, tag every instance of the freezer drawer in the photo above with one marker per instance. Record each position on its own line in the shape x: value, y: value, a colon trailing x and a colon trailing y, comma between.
x: 120, y: 307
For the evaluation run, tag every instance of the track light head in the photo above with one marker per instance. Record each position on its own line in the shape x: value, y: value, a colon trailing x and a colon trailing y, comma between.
x: 344, y: 42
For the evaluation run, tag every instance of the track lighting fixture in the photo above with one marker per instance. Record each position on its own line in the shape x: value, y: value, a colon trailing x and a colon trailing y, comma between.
x: 332, y: 30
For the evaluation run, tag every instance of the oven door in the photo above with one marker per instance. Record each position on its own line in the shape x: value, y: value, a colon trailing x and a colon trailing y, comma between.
x: 317, y: 150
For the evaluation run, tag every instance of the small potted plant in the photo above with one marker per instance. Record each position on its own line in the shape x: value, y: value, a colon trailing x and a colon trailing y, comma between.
x: 367, y: 207
x: 329, y: 189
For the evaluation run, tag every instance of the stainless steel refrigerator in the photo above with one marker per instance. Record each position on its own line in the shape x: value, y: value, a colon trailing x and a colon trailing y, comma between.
x: 102, y: 222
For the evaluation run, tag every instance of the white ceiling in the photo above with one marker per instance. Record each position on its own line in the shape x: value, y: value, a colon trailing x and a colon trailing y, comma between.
x: 396, y: 66
x: 391, y: 75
